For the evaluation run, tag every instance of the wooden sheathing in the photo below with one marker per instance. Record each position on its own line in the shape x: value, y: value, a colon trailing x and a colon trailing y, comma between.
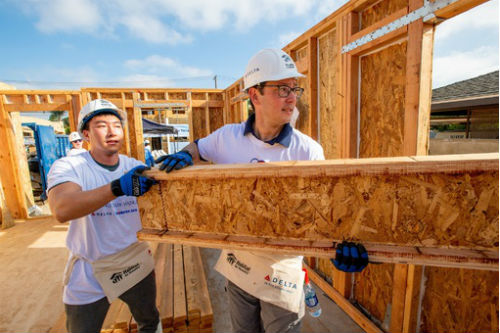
x: 329, y: 115
x: 402, y: 201
x: 301, y: 59
x: 459, y: 300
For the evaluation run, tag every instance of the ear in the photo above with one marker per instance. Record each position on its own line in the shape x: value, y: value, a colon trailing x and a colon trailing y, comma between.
x: 254, y: 94
x: 86, y: 135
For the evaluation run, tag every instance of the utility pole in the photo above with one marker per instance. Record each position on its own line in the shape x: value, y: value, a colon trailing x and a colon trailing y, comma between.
x: 215, y: 79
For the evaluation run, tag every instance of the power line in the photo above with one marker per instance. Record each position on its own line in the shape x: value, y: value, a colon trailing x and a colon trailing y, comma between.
x: 207, y: 77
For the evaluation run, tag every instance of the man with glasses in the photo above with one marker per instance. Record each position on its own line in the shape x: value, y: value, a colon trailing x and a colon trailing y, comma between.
x: 76, y: 144
x: 271, y: 83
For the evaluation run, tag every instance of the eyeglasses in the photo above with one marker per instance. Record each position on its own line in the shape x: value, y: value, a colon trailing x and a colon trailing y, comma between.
x: 284, y: 91
x: 76, y: 141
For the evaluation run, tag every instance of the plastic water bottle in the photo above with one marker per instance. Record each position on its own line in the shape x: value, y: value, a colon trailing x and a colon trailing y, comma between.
x: 312, y: 302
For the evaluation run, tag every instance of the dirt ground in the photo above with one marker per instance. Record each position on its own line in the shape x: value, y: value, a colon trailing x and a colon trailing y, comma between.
x: 33, y: 256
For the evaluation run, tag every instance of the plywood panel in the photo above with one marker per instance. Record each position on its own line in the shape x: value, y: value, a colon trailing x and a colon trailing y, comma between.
x: 378, y: 11
x: 329, y: 113
x: 216, y: 118
x: 382, y: 102
x: 303, y: 121
x: 199, y: 129
x: 373, y: 289
x: 459, y: 300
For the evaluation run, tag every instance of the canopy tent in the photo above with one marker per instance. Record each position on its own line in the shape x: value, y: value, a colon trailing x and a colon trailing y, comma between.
x: 151, y: 128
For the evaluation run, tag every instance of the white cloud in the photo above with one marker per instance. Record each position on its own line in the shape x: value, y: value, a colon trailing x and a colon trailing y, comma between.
x: 156, y: 63
x: 166, y: 21
x: 480, y: 17
x: 287, y: 38
x: 67, y: 15
x: 144, y: 81
x: 459, y: 66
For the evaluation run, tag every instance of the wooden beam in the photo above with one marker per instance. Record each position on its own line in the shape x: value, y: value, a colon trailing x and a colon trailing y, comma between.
x: 9, y: 176
x: 398, y: 298
x: 135, y: 131
x: 356, y: 315
x: 37, y: 107
x: 457, y: 8
x: 425, y: 90
x: 313, y: 86
x: 325, y: 248
x: 412, y: 87
x: 377, y: 166
x: 207, y: 116
x: 190, y: 117
x: 412, y: 298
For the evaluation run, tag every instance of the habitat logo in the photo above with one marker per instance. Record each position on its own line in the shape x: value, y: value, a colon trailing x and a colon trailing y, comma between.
x: 118, y: 276
x: 233, y: 261
x: 281, y: 284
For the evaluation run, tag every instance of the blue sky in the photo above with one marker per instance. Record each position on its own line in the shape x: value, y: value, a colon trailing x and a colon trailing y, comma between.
x: 68, y: 44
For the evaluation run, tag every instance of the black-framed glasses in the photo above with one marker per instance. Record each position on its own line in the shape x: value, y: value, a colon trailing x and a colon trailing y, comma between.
x: 79, y: 140
x: 284, y: 90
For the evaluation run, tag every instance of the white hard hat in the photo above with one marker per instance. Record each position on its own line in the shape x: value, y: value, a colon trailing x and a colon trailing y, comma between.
x: 74, y: 136
x: 269, y: 65
x: 95, y: 107
x: 146, y: 142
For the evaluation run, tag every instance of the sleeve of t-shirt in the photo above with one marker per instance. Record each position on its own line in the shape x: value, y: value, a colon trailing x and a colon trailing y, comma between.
x: 207, y: 146
x: 62, y: 171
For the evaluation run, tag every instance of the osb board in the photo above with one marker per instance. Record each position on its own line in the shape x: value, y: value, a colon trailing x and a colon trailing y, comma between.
x: 382, y: 104
x: 199, y: 123
x: 325, y: 268
x: 156, y: 96
x: 373, y: 289
x: 459, y: 300
x: 303, y: 120
x: 177, y: 95
x: 329, y: 113
x: 198, y: 96
x: 111, y: 95
x: 423, y: 209
x: 380, y: 10
x: 216, y: 118
x: 215, y: 97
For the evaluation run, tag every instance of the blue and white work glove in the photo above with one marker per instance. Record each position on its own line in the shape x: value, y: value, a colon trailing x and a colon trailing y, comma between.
x: 350, y: 257
x: 175, y: 161
x: 133, y: 183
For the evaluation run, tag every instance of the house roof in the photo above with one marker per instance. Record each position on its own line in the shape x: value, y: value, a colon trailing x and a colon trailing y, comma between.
x: 480, y: 86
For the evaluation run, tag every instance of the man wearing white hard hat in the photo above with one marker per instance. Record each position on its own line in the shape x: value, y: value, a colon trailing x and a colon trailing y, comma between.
x: 148, y: 155
x: 76, y: 144
x: 96, y: 191
x: 265, y: 289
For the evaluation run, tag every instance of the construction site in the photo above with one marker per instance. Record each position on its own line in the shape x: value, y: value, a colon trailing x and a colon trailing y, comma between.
x: 430, y: 222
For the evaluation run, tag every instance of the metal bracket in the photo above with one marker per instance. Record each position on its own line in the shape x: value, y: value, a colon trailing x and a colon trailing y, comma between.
x: 426, y: 12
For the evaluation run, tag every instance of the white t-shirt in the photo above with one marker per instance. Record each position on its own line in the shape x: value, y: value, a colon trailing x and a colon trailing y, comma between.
x: 106, y: 231
x: 229, y: 145
x: 75, y: 151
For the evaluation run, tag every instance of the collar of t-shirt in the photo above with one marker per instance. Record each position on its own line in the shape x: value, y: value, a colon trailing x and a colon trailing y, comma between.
x: 107, y: 167
x: 284, y: 138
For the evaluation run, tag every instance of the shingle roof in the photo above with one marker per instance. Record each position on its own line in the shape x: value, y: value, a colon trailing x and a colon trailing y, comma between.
x: 483, y: 85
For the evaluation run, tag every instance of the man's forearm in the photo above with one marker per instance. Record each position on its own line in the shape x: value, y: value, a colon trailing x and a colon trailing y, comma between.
x: 68, y: 206
x: 192, y: 148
